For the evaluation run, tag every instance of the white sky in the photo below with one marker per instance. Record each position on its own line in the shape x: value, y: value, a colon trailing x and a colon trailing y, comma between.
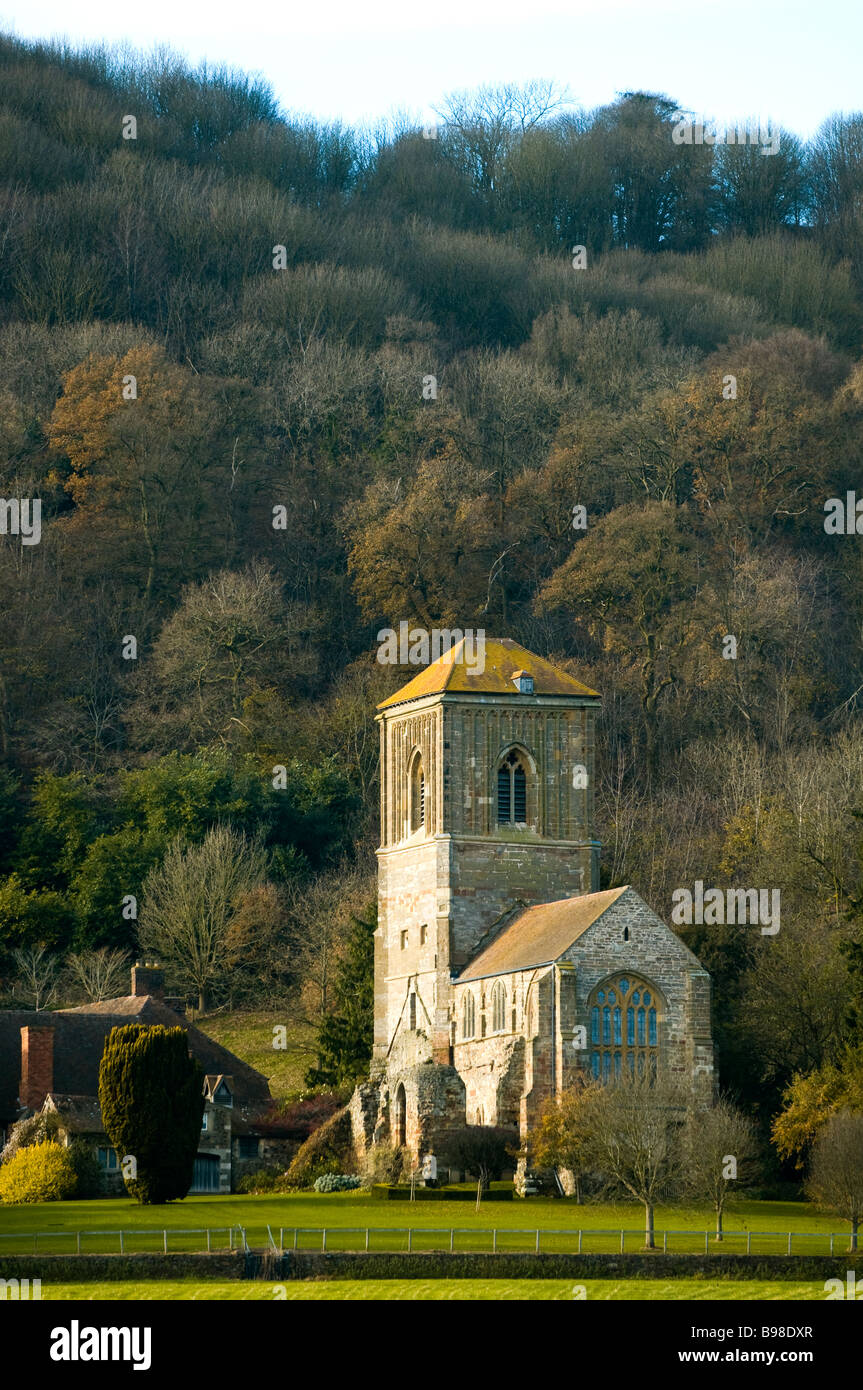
x: 793, y: 60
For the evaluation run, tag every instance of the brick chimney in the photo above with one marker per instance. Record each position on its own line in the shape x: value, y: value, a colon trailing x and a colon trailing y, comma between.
x: 147, y: 978
x: 37, y: 1065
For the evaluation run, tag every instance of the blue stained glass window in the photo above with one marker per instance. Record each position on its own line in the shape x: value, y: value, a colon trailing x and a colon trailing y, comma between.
x: 617, y: 1066
x: 646, y: 997
x: 594, y: 1065
x: 624, y: 986
x: 632, y: 1064
x: 606, y: 1066
x: 641, y: 1028
x: 636, y: 997
x: 612, y: 997
x: 606, y: 1025
x: 601, y: 996
x: 651, y: 1028
x: 617, y: 1027
x: 594, y: 1025
x: 630, y: 1026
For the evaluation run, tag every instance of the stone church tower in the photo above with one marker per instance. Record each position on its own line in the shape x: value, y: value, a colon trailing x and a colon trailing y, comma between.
x: 500, y: 970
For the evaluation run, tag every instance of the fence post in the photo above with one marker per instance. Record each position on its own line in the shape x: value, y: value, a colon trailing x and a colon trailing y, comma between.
x: 831, y: 1242
x: 494, y: 1241
x: 208, y: 1240
x: 367, y: 1239
x: 537, y: 1242
x: 281, y: 1240
x: 707, y: 1242
x: 789, y: 1242
x: 35, y: 1241
x: 122, y: 1251
x: 749, y: 1242
x: 165, y: 1241
x: 579, y: 1241
x: 665, y: 1242
x: 410, y: 1238
x: 451, y: 1238
x: 621, y: 1242
x: 78, y: 1241
x: 324, y: 1239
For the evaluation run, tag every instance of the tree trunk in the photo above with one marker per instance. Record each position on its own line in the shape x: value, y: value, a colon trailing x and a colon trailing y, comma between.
x: 854, y: 1225
x: 648, y: 1227
x: 718, y: 1223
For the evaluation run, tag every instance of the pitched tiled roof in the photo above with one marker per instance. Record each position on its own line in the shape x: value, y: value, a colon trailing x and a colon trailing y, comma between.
x: 503, y: 658
x: 81, y: 1114
x: 539, y: 935
x: 79, y: 1040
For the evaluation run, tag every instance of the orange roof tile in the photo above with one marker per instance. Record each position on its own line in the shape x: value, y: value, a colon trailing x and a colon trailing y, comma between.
x: 502, y: 658
x: 539, y: 935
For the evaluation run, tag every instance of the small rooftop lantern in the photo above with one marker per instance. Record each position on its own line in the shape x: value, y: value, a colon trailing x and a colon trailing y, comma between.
x: 523, y: 682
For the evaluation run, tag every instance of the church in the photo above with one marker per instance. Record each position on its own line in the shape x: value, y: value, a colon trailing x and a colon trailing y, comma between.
x: 502, y: 973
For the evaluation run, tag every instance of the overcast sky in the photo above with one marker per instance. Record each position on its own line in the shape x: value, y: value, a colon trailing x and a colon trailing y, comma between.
x: 793, y: 60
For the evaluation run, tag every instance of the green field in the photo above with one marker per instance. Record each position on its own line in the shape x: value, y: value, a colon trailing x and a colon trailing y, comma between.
x: 250, y: 1037
x: 347, y: 1215
x: 431, y: 1290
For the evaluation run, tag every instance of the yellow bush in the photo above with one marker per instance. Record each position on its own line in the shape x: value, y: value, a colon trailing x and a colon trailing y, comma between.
x: 38, y: 1173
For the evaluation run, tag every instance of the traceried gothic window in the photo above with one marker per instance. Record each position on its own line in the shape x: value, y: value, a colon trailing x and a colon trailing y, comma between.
x: 624, y: 1029
x: 498, y: 1008
x: 468, y: 1016
x: 512, y: 790
x: 417, y: 785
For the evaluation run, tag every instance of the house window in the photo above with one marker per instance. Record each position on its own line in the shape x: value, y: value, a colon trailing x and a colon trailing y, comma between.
x: 107, y: 1159
x: 205, y: 1123
x: 404, y: 940
x: 624, y: 1029
x: 511, y: 791
x: 424, y: 931
x: 417, y: 785
x: 498, y: 1008
x: 247, y: 1147
x: 468, y: 1016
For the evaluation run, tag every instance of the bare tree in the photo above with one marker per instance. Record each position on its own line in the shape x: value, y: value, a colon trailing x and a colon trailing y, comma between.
x: 633, y: 1128
x: 99, y: 974
x: 836, y: 1176
x: 190, y: 901
x: 37, y: 975
x: 719, y: 1154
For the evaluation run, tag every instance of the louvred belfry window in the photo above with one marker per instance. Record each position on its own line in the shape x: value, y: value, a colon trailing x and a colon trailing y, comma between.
x: 511, y: 791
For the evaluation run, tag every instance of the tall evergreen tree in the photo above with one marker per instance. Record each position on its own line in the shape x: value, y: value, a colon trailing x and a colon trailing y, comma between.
x: 151, y: 1096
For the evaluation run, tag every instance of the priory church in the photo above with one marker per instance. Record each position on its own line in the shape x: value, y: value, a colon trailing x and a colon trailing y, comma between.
x: 502, y: 973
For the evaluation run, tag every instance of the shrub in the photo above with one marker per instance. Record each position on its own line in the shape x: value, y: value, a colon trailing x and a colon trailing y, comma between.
x: 330, y: 1149
x: 38, y: 1173
x: 337, y: 1182
x: 264, y: 1180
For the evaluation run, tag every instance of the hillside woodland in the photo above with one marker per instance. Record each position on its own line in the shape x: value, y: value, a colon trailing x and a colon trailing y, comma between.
x: 280, y: 384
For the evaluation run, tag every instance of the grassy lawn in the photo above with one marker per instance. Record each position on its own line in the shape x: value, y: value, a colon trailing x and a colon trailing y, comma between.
x: 339, y: 1212
x: 432, y: 1290
x: 250, y: 1037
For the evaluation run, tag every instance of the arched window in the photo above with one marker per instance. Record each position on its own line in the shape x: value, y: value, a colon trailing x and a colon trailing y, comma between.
x: 468, y: 1016
x: 512, y: 791
x: 498, y: 1008
x: 400, y: 1117
x: 417, y: 783
x: 624, y: 1028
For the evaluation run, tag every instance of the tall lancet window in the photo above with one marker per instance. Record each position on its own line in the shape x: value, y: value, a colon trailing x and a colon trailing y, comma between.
x: 417, y: 785
x: 511, y: 791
